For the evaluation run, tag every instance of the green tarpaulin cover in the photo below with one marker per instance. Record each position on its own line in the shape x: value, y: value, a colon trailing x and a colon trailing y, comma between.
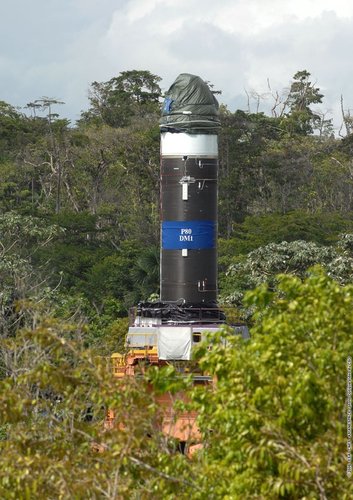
x: 190, y: 106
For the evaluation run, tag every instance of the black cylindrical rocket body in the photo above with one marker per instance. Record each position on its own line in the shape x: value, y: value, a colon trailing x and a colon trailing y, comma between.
x: 189, y: 171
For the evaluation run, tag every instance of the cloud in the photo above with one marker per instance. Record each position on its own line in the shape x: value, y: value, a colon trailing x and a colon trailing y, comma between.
x: 58, y: 47
x: 320, y: 45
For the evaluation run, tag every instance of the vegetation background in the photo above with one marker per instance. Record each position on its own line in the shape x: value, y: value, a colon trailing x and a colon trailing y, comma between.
x: 79, y: 239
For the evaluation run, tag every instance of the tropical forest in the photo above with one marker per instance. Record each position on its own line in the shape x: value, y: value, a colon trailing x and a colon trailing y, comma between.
x: 79, y: 247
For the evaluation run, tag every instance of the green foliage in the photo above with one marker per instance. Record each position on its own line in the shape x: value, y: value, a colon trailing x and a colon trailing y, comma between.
x: 99, y: 181
x: 131, y: 94
x: 301, y: 119
x: 104, y: 328
x: 23, y: 231
x: 259, y: 230
x: 263, y: 264
x: 20, y: 238
x: 12, y: 129
x: 302, y: 93
x: 146, y: 272
x: 265, y: 170
x: 13, y: 194
x: 52, y: 403
x: 243, y: 137
x: 274, y: 425
x: 79, y: 231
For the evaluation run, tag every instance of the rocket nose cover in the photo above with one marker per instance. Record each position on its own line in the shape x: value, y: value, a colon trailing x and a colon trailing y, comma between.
x: 190, y: 106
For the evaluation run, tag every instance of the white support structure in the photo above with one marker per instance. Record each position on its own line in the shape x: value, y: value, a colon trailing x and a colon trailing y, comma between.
x: 172, y: 342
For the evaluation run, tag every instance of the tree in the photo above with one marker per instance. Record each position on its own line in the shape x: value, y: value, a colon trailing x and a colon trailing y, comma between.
x: 301, y: 119
x: 303, y: 93
x: 259, y: 230
x: 265, y: 263
x: 146, y: 273
x: 11, y: 128
x: 20, y: 238
x: 243, y: 137
x: 274, y: 424
x: 54, y: 394
x: 133, y: 93
x: 54, y: 151
x: 16, y: 131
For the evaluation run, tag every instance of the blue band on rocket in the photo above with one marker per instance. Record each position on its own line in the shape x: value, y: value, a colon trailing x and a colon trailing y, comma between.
x: 192, y: 235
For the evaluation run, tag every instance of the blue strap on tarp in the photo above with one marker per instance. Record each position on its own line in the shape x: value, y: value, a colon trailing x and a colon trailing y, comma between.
x: 167, y: 105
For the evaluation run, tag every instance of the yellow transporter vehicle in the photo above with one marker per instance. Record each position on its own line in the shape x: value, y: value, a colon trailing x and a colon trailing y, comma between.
x: 152, y: 344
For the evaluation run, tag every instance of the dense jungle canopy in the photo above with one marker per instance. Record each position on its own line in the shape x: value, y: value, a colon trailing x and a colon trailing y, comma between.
x: 79, y: 245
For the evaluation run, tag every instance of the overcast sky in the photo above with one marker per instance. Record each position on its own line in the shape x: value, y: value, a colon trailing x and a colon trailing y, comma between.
x: 56, y: 48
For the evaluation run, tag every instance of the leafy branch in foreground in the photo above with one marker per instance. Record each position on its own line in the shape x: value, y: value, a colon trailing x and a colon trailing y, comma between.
x: 54, y: 395
x: 274, y: 425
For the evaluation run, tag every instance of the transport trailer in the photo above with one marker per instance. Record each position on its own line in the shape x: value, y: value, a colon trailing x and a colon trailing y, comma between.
x: 165, y: 331
x: 151, y: 342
